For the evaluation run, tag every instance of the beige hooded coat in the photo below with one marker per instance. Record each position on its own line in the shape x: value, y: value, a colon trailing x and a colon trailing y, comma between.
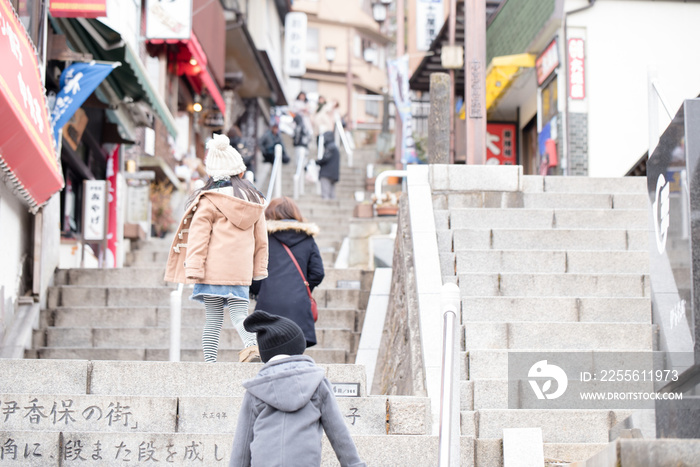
x: 221, y: 240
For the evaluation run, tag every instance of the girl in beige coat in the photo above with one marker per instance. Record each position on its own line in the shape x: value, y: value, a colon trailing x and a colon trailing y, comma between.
x: 221, y: 246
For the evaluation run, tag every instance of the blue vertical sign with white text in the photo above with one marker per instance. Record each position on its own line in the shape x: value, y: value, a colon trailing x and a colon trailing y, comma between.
x: 77, y: 82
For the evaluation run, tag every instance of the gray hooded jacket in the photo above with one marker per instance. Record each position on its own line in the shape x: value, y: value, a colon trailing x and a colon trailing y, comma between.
x: 284, y: 409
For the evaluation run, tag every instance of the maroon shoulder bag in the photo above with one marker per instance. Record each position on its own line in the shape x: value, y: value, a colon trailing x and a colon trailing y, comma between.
x: 314, y: 307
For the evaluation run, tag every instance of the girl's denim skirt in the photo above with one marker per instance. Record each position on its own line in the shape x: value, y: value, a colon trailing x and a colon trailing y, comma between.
x: 226, y: 291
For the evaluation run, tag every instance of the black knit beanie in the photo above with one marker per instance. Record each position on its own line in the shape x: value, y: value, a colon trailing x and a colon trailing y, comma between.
x: 276, y: 334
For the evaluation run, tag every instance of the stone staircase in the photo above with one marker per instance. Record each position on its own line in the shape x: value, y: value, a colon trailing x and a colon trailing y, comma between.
x: 560, y: 264
x: 124, y: 314
x: 101, y: 392
x: 118, y: 413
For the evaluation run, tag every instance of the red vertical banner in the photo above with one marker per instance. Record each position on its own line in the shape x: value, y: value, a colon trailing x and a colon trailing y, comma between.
x: 577, y: 70
x: 112, y: 229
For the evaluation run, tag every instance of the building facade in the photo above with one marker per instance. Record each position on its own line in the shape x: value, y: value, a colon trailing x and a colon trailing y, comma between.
x: 572, y: 79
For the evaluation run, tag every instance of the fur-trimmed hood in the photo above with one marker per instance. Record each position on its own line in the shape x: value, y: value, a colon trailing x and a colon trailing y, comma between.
x: 303, y: 227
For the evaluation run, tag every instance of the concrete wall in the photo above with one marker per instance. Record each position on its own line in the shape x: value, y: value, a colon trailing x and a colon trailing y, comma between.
x: 15, y: 238
x: 400, y: 363
x: 624, y: 38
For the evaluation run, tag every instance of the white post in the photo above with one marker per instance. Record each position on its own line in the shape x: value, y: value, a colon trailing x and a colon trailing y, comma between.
x: 278, y: 161
x: 175, y: 323
x: 448, y: 453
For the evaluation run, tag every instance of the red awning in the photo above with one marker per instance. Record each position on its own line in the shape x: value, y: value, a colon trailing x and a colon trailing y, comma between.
x: 26, y: 144
x: 198, y: 74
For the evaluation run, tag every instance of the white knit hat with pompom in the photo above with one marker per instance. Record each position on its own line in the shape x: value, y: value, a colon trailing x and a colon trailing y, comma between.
x: 222, y: 159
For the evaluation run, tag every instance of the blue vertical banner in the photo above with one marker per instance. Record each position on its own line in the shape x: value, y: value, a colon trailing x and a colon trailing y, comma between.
x: 77, y: 82
x: 398, y: 80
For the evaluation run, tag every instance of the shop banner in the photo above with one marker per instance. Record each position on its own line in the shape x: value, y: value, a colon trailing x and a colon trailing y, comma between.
x: 500, y: 143
x: 94, y: 212
x: 78, y: 8
x: 168, y: 20
x: 295, y: 43
x: 112, y: 209
x: 26, y: 149
x: 77, y: 82
x: 430, y: 15
x: 398, y: 80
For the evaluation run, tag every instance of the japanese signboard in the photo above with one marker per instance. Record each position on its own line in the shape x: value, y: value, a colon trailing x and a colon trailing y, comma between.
x: 169, y: 19
x: 398, y: 80
x: 295, y: 43
x: 94, y: 212
x: 26, y: 148
x: 577, y: 70
x: 430, y: 15
x: 547, y: 62
x: 78, y: 8
x: 500, y: 143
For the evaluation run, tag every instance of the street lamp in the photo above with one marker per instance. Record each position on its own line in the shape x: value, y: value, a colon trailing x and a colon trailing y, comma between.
x: 330, y: 55
x: 379, y: 12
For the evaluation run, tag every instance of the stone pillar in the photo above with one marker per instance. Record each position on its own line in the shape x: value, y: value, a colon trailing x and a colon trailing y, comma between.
x: 439, y: 119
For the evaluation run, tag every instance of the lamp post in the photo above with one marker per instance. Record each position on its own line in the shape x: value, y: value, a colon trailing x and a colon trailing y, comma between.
x: 330, y: 56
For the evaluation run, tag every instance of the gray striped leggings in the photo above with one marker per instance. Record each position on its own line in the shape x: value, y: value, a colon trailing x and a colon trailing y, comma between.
x: 214, y: 307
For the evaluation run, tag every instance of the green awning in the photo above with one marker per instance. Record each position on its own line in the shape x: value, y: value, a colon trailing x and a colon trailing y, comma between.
x: 129, y: 80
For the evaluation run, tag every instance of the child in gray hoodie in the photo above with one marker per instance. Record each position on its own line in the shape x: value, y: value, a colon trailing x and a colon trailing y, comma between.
x: 288, y: 405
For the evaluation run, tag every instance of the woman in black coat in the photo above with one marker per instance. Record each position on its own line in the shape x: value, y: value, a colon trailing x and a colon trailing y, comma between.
x: 283, y: 292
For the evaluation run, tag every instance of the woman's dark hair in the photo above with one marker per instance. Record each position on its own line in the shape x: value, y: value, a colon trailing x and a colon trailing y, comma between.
x: 302, y: 93
x: 242, y: 189
x: 283, y: 208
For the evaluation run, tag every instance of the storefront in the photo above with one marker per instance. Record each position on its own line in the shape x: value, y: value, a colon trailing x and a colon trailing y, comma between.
x: 30, y: 173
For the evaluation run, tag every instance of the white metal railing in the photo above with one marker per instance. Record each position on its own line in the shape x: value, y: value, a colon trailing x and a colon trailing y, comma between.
x: 275, y: 176
x: 175, y: 322
x: 347, y: 143
x: 383, y: 176
x: 448, y: 453
x: 299, y: 176
x: 654, y: 97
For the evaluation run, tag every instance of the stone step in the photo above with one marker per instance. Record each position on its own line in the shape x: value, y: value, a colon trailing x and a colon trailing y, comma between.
x: 489, y: 452
x: 558, y: 426
x: 586, y: 200
x: 191, y: 337
x: 486, y: 218
x: 324, y: 356
x: 483, y: 394
x: 159, y: 316
x: 492, y: 364
x: 72, y: 413
x: 558, y: 336
x: 491, y: 199
x: 581, y: 184
x: 143, y: 276
x: 73, y: 295
x: 549, y: 261
x: 59, y: 449
x: 554, y: 285
x: 143, y: 378
x: 547, y: 239
x: 153, y: 276
x: 561, y: 309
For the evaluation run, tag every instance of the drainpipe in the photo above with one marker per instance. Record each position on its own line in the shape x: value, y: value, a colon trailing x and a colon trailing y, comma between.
x: 566, y: 74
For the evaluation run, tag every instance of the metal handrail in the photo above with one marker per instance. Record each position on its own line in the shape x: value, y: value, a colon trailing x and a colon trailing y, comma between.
x: 275, y: 176
x: 175, y: 322
x: 448, y: 452
x: 382, y: 176
x: 299, y: 177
